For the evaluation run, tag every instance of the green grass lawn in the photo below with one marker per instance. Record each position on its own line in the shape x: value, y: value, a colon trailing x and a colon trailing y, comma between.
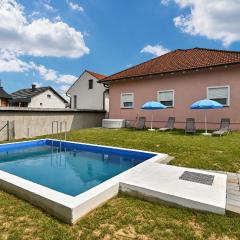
x: 197, y: 151
x: 129, y: 218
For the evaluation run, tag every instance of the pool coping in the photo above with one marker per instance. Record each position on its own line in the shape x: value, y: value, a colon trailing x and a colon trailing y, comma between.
x: 65, y: 207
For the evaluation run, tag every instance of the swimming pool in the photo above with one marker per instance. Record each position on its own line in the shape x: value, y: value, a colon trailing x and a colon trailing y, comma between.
x: 67, y: 179
x: 70, y: 168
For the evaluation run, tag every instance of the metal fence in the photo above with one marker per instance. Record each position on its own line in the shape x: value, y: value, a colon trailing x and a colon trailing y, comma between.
x: 7, y: 130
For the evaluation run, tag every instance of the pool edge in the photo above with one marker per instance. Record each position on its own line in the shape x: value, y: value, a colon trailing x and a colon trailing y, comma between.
x: 64, y: 207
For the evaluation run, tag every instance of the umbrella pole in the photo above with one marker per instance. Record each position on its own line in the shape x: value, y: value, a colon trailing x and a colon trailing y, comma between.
x: 152, y: 120
x: 206, y: 122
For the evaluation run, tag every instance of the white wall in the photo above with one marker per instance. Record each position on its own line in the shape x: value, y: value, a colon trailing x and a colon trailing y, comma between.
x: 53, y: 102
x: 36, y: 122
x: 91, y: 99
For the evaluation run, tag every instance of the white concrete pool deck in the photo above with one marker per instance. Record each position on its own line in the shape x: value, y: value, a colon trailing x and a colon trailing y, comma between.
x: 150, y: 179
x: 161, y: 182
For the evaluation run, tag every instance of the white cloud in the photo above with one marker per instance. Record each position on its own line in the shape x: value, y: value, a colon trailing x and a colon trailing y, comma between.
x: 39, y: 37
x: 47, y: 5
x: 46, y: 74
x: 165, y: 2
x: 75, y: 6
x: 10, y: 63
x: 68, y: 79
x: 156, y: 50
x: 64, y: 88
x: 52, y: 75
x: 59, y: 19
x: 215, y: 19
x: 129, y: 65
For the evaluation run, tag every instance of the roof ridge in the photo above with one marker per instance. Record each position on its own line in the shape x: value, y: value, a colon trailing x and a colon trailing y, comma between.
x: 95, y: 73
x: 217, y: 50
x: 24, y: 89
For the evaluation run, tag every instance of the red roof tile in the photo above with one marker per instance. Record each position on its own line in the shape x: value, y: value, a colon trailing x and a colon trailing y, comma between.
x: 97, y: 75
x: 179, y: 60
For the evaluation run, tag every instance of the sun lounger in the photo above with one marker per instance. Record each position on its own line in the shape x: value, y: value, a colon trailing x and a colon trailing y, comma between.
x: 190, y: 126
x: 224, y: 127
x: 169, y: 125
x: 141, y: 123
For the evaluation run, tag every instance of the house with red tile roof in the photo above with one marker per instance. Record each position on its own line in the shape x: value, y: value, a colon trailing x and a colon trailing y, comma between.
x: 87, y: 93
x: 177, y: 79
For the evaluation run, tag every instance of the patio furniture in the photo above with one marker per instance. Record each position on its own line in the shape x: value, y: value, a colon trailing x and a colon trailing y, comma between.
x: 206, y: 104
x: 141, y: 123
x: 169, y: 125
x: 190, y: 126
x: 224, y: 127
x: 152, y: 105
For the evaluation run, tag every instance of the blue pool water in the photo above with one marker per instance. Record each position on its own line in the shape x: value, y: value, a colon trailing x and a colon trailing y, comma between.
x: 73, y: 170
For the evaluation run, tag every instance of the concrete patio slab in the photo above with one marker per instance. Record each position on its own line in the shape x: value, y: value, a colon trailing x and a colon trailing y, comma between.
x: 161, y: 182
x: 233, y: 193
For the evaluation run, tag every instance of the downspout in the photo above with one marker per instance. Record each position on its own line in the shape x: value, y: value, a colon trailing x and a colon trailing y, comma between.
x: 104, y: 97
x: 70, y: 100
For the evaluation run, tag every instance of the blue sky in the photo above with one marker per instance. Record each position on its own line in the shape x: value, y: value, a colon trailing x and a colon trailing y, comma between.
x: 104, y: 36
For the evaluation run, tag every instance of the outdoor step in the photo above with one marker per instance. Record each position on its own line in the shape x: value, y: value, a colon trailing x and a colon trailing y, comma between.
x: 233, y: 197
x: 233, y: 208
x: 232, y: 180
x: 233, y: 187
x: 233, y: 202
x: 233, y: 192
x: 230, y: 174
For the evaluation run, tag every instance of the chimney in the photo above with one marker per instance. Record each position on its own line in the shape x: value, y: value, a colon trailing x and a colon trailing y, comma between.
x: 33, y: 87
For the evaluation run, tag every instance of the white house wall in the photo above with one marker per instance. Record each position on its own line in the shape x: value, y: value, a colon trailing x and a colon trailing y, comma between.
x: 91, y: 99
x: 53, y: 102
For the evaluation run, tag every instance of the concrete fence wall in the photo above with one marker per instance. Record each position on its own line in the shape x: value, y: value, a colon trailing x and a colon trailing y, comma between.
x: 36, y: 122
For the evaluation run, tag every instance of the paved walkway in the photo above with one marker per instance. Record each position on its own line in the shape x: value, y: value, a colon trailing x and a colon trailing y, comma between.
x: 233, y: 192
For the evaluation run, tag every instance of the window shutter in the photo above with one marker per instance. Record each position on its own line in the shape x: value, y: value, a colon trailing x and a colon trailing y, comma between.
x: 166, y: 96
x: 126, y: 97
x: 216, y: 93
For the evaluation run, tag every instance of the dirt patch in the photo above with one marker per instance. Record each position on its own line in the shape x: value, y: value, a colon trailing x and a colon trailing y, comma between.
x: 110, y: 227
x: 214, y: 237
x: 129, y: 233
x: 197, y: 228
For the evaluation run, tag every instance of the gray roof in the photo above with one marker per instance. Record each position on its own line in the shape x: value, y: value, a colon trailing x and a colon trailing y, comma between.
x: 4, y: 94
x: 25, y: 95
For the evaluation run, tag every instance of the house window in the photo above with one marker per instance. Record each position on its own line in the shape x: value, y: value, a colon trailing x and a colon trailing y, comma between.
x: 49, y: 96
x: 127, y: 100
x: 166, y: 97
x: 219, y: 94
x: 75, y: 101
x: 90, y: 84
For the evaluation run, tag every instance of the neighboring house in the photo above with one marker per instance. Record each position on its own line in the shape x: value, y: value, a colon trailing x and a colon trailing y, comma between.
x: 177, y: 79
x: 38, y: 97
x: 4, y: 98
x: 88, y: 93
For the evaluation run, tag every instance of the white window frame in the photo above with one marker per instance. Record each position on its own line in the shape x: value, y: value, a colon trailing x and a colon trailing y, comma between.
x: 163, y: 91
x: 121, y: 102
x: 223, y: 86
